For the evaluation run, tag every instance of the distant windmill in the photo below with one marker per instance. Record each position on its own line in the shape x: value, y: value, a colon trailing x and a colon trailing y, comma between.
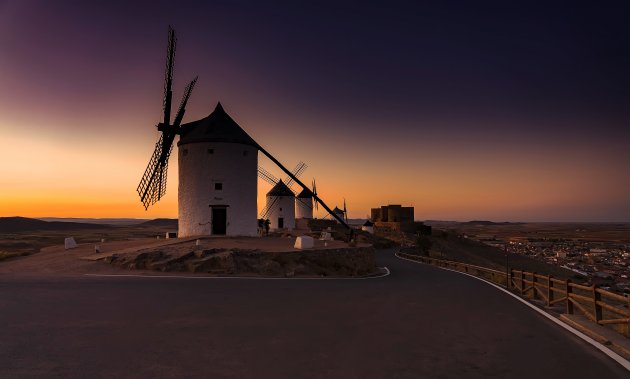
x: 277, y: 197
x: 218, y: 164
x: 153, y: 183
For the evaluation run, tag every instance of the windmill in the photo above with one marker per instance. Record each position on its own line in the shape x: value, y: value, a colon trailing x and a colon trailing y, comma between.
x: 152, y: 186
x: 288, y: 182
x: 218, y: 161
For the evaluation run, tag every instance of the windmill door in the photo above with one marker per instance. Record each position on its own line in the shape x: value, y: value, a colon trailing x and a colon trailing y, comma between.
x: 280, y: 222
x: 219, y: 221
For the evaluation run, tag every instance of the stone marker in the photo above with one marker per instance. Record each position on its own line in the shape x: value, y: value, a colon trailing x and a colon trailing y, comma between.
x: 326, y: 236
x: 198, y: 242
x: 304, y: 242
x: 70, y: 243
x: 97, y: 249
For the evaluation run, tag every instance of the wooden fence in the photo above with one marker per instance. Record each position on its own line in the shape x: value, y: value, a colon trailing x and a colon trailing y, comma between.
x: 598, y: 305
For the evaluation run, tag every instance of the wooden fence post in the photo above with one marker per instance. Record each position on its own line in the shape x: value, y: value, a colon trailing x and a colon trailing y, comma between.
x: 597, y: 297
x: 569, y: 303
x: 533, y: 286
x: 549, y: 290
x: 521, y: 277
x: 510, y: 278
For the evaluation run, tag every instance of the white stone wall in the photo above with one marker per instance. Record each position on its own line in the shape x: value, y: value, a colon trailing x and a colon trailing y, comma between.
x: 302, y: 209
x: 233, y: 165
x: 285, y: 208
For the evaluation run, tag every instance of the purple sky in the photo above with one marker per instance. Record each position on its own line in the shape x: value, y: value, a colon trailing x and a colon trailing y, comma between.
x: 499, y: 110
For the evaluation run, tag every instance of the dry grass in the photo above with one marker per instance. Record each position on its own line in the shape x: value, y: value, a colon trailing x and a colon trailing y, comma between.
x: 25, y: 243
x: 449, y: 246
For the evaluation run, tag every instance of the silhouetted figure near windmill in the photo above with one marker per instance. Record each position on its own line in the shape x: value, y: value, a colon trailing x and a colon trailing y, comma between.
x: 267, y: 225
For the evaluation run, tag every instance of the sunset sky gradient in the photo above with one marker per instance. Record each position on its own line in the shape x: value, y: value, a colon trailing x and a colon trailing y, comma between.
x: 491, y: 110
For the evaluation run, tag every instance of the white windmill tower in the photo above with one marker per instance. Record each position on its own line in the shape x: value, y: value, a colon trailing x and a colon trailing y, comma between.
x: 218, y: 164
x: 281, y: 207
x: 304, y: 205
x: 281, y: 200
x: 218, y: 178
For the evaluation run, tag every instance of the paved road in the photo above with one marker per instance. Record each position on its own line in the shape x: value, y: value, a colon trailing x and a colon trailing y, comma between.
x: 418, y: 322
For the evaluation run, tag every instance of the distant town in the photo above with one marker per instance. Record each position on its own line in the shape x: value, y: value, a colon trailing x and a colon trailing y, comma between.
x: 604, y: 263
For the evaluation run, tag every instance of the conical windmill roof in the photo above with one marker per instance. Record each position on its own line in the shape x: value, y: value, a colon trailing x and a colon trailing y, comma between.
x: 217, y: 127
x: 280, y: 189
x: 305, y: 194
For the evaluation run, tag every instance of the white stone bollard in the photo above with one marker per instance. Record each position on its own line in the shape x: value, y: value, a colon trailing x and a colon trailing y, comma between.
x: 304, y: 242
x: 70, y: 243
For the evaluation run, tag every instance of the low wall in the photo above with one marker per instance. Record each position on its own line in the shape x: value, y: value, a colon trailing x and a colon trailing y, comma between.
x: 343, y: 262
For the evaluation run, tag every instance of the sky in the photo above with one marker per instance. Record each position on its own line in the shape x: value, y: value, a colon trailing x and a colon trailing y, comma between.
x: 504, y: 111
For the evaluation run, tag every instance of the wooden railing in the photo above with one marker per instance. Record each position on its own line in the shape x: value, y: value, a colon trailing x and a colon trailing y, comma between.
x: 598, y: 305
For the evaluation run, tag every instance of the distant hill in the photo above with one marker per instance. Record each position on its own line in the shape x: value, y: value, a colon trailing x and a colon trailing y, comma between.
x: 103, y: 221
x: 487, y: 223
x: 24, y: 224
x: 161, y: 222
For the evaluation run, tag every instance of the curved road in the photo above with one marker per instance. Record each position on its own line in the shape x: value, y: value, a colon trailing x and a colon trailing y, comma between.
x: 418, y: 322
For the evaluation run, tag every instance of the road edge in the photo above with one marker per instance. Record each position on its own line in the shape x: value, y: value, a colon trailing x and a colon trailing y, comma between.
x: 386, y: 272
x: 611, y: 354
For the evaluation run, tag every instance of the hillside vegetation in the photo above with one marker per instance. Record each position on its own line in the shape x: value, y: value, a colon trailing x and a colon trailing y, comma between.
x: 449, y: 246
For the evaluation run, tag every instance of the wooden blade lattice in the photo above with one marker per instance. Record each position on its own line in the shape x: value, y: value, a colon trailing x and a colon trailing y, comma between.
x: 152, y: 186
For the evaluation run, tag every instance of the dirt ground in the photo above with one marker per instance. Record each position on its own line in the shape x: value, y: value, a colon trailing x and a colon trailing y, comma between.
x: 56, y: 260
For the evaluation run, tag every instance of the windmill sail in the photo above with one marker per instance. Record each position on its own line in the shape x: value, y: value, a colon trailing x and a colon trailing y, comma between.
x: 152, y: 186
x: 168, y: 75
x: 267, y: 176
x: 269, y: 208
x: 297, y: 172
x: 314, y: 190
x: 146, y: 189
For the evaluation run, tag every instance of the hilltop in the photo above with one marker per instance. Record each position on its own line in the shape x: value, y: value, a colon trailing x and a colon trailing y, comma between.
x: 102, y: 221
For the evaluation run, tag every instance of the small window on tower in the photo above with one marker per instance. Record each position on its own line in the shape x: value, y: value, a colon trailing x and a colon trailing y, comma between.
x: 218, y: 186
x: 210, y: 151
x: 185, y: 152
x: 280, y: 209
x: 245, y: 153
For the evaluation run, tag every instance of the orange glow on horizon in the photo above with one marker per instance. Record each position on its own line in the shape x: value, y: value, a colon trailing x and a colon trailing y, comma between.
x: 95, y: 174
